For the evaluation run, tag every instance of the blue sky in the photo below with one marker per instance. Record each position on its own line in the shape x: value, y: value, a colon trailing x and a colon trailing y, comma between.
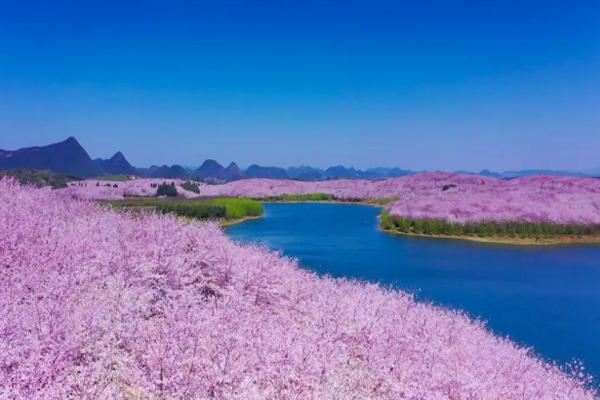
x: 421, y: 84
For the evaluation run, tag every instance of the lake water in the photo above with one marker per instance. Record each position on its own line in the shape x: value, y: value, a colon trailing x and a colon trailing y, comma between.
x: 547, y: 298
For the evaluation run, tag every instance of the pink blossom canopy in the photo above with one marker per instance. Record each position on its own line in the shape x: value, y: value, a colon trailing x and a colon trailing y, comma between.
x: 100, y: 305
x: 455, y: 198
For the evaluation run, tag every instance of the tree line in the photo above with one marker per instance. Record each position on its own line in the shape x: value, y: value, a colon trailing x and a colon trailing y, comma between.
x: 487, y: 228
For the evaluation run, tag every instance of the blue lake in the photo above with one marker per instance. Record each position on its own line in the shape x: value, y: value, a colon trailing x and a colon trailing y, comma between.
x: 547, y: 298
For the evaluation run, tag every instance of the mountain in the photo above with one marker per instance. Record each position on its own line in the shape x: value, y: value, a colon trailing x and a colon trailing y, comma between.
x: 147, y: 171
x: 172, y: 172
x: 595, y: 172
x: 483, y: 172
x: 341, y: 172
x: 70, y: 158
x: 310, y: 176
x: 256, y: 171
x: 529, y: 172
x: 487, y: 172
x: 306, y: 173
x: 210, y: 169
x: 233, y: 172
x: 116, y: 165
x: 67, y: 157
x: 381, y: 172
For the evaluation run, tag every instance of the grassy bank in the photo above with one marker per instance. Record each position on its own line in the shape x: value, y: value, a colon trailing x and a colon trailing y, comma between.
x: 310, y: 197
x: 523, y: 233
x: 326, y: 198
x: 228, y: 210
x: 114, y: 178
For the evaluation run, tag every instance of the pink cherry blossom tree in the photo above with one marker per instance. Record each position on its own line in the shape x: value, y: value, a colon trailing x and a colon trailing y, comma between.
x: 100, y: 305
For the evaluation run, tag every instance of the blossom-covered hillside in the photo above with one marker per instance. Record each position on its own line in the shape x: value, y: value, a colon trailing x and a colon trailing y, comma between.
x: 452, y: 197
x: 100, y: 305
x: 554, y: 199
x: 94, y: 189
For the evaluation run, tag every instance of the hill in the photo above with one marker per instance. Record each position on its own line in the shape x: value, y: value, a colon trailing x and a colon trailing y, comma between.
x: 233, y: 172
x: 211, y: 169
x: 116, y: 165
x: 67, y: 157
x: 174, y: 172
x: 256, y: 171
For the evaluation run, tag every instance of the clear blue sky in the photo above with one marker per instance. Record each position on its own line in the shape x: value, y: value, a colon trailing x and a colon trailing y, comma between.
x: 416, y: 84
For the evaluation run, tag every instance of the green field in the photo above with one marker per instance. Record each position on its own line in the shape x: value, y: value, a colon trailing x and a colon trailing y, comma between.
x: 229, y: 209
x: 116, y: 178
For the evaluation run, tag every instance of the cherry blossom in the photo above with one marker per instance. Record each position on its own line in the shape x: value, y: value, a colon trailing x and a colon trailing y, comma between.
x: 96, y: 304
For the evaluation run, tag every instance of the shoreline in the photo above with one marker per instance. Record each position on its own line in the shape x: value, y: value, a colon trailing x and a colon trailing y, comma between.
x: 225, y: 223
x: 497, y: 240
x: 549, y: 241
x: 356, y: 203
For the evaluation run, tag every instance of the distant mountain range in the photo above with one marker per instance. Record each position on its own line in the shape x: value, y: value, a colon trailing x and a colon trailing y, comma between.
x: 69, y: 157
x: 530, y: 172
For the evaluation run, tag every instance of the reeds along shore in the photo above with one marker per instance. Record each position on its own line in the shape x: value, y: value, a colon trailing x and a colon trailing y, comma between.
x: 525, y: 233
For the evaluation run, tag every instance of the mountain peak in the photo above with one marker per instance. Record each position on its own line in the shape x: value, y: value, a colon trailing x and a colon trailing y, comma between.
x: 118, y: 165
x: 211, y: 169
x: 67, y: 156
x: 210, y: 163
x: 70, y: 141
x: 118, y: 156
x: 233, y: 172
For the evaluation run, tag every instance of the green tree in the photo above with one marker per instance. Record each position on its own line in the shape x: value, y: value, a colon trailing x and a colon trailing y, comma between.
x: 166, y: 189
